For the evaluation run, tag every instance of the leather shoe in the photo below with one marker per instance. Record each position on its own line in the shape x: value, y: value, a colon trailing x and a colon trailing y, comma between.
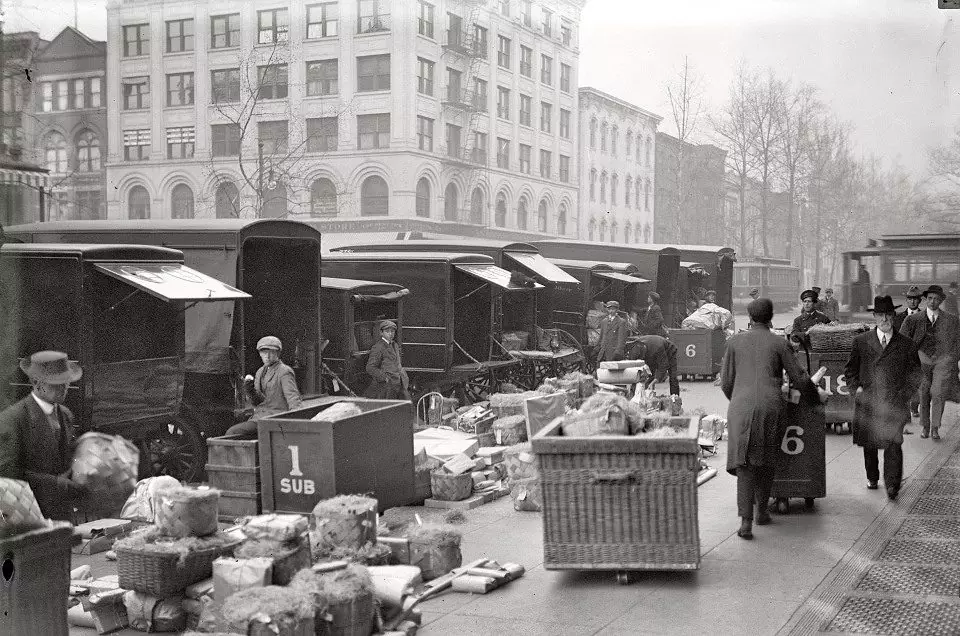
x: 935, y: 434
x: 924, y: 434
x: 892, y: 493
x: 872, y: 485
x: 746, y: 529
x: 763, y: 518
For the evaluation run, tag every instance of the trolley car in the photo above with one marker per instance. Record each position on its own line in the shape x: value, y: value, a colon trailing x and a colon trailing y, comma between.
x: 776, y: 278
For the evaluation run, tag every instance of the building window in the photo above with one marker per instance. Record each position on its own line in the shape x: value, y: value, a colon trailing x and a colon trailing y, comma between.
x: 275, y: 201
x: 323, y: 198
x: 63, y: 95
x: 88, y: 151
x: 179, y: 35
x: 629, y: 145
x: 546, y: 164
x: 58, y: 206
x: 180, y: 142
x: 646, y: 195
x: 614, y: 133
x: 136, y: 145
x: 627, y: 186
x: 546, y: 70
x: 453, y: 141
x: 526, y: 12
x: 225, y: 140
x: 79, y: 92
x: 46, y: 90
x: 503, y: 102
x: 273, y: 136
x: 591, y: 229
x: 273, y: 26
x: 500, y: 211
x: 478, y: 154
x: 637, y: 187
x: 562, y: 220
x: 603, y: 231
x: 627, y: 233
x: 646, y: 233
x: 425, y: 133
x: 639, y: 147
x: 503, y: 52
x: 603, y: 137
x: 374, y: 15
x: 566, y: 33
x: 522, y: 214
x: 613, y: 231
x: 480, y: 41
x: 181, y: 202
x: 564, y: 77
x: 476, y: 206
x: 226, y: 85
x: 136, y: 93
x: 138, y: 203
x: 322, y: 77
x: 55, y: 152
x: 89, y: 205
x: 424, y: 76
x: 136, y: 40
x: 565, y: 123
x: 503, y: 153
x: 504, y: 6
x: 603, y: 187
x: 322, y: 20
x: 374, y: 197
x: 526, y: 105
x: 593, y: 184
x: 272, y: 81
x: 373, y: 73
x: 322, y: 134
x: 525, y: 158
x: 227, y: 201
x: 593, y: 134
x: 546, y: 21
x: 546, y: 117
x: 373, y: 131
x: 564, y: 169
x: 179, y: 89
x: 542, y: 216
x: 647, y: 150
x: 454, y: 86
x: 526, y: 61
x: 425, y: 19
x: 455, y: 34
x: 225, y: 31
x: 423, y: 198
x: 614, y: 179
x: 450, y: 202
x: 480, y: 94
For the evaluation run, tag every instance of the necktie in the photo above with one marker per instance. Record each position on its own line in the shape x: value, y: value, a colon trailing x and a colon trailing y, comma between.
x: 883, y: 341
x: 933, y: 320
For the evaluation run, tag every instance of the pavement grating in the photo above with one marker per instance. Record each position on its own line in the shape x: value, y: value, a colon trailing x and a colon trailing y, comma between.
x: 876, y: 615
x: 911, y: 579
x: 930, y: 528
x: 947, y: 487
x: 948, y: 506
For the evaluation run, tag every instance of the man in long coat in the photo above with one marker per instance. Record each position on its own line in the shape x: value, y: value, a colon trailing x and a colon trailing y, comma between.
x: 613, y: 334
x: 884, y: 373
x: 937, y: 337
x: 389, y: 380
x: 652, y: 320
x: 751, y: 377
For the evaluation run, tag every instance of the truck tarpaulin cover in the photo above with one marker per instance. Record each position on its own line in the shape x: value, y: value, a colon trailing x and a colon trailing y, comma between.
x: 208, y: 325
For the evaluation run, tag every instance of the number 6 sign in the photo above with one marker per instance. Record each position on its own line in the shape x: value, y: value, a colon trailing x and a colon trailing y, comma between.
x: 792, y: 444
x: 691, y: 351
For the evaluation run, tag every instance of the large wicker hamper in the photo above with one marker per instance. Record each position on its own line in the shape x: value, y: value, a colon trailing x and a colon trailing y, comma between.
x: 619, y: 502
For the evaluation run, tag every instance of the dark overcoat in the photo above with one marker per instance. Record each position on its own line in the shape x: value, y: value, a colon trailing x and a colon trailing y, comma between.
x: 751, y: 376
x: 889, y: 378
x: 389, y: 380
x: 30, y: 450
x: 652, y: 322
x: 613, y: 338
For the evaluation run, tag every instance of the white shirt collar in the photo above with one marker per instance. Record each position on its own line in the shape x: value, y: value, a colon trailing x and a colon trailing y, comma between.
x: 880, y: 336
x: 45, y: 406
x: 932, y: 314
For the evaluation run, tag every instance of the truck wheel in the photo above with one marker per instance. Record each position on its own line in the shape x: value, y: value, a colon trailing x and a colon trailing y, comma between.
x: 809, y: 502
x: 783, y: 506
x: 177, y: 450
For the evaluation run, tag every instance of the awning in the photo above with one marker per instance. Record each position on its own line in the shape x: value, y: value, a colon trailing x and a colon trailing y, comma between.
x: 171, y: 281
x: 542, y: 267
x: 626, y: 278
x: 495, y: 276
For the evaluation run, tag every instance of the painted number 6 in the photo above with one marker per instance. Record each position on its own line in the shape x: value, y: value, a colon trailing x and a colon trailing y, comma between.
x: 792, y: 444
x: 691, y: 351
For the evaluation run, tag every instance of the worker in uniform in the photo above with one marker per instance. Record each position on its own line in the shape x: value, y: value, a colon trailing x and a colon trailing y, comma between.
x: 660, y: 356
x: 809, y: 316
x: 613, y: 334
x: 272, y: 390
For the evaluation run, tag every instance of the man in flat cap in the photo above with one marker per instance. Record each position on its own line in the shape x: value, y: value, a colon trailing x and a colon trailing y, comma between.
x: 613, y: 334
x: 809, y: 316
x: 651, y: 322
x: 389, y: 378
x: 830, y: 307
x: 272, y: 390
x: 36, y: 435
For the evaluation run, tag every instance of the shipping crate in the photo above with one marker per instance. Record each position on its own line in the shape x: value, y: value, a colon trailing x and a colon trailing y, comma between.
x: 619, y: 502
x: 36, y: 580
x: 699, y: 351
x: 303, y: 461
x: 233, y: 467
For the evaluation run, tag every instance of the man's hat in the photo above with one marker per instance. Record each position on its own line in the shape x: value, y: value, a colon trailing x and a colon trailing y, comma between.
x: 816, y: 289
x: 883, y: 305
x: 51, y: 367
x: 755, y: 291
x: 614, y: 304
x: 809, y: 293
x: 387, y: 324
x: 934, y: 289
x: 655, y: 296
x: 710, y: 292
x: 913, y: 292
x: 269, y: 342
x: 829, y: 290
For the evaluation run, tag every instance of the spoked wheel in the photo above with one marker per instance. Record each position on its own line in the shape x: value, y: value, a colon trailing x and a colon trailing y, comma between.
x: 479, y: 387
x: 177, y: 450
x: 783, y: 506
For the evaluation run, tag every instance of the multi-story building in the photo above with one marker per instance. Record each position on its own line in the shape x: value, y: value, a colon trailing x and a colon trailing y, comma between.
x: 358, y: 113
x: 703, y: 192
x: 617, y: 146
x: 70, y: 115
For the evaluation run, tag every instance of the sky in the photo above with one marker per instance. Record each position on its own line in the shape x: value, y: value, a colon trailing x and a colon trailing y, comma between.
x: 891, y: 68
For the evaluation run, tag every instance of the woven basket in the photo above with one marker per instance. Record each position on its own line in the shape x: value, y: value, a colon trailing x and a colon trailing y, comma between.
x: 433, y: 560
x: 609, y: 421
x: 160, y: 573
x: 447, y: 487
x: 352, y: 618
x: 107, y: 465
x: 510, y: 430
x: 340, y: 529
x: 835, y: 337
x: 182, y: 513
x: 19, y: 511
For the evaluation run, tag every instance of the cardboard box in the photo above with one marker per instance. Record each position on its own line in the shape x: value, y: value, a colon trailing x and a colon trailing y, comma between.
x: 108, y: 611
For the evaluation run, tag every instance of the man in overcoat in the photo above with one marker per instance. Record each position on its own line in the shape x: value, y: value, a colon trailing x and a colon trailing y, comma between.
x: 613, y: 334
x: 809, y: 316
x: 937, y: 337
x: 751, y: 376
x: 389, y: 378
x: 830, y: 306
x: 913, y: 297
x: 652, y: 321
x: 273, y: 389
x: 36, y: 435
x: 884, y: 373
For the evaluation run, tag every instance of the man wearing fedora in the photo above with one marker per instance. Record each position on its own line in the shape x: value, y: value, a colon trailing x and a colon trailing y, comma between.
x: 389, y: 378
x: 613, y: 334
x: 913, y: 298
x: 936, y: 334
x: 36, y: 435
x: 884, y: 372
x: 272, y: 390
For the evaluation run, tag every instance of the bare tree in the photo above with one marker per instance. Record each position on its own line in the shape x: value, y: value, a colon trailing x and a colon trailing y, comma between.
x: 763, y: 104
x: 797, y: 110
x: 685, y: 94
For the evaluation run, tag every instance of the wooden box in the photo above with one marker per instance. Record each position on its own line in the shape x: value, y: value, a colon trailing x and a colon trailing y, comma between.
x: 303, y: 461
x: 699, y: 351
x: 233, y: 467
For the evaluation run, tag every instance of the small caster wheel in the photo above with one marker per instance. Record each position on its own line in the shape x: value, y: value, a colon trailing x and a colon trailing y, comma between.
x: 624, y: 577
x: 783, y: 506
x: 809, y: 502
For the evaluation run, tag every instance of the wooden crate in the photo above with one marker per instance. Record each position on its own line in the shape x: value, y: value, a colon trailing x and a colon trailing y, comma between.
x: 233, y: 467
x: 238, y: 504
x: 241, y: 478
x: 233, y: 450
x: 619, y: 502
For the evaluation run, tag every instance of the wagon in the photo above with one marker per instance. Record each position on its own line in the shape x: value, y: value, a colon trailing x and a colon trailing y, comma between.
x: 707, y: 267
x: 467, y: 315
x: 118, y: 311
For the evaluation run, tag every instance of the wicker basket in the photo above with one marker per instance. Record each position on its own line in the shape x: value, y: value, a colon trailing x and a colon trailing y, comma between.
x: 19, y: 510
x: 161, y: 574
x: 185, y: 512
x: 619, y: 503
x: 447, y: 487
x: 351, y: 618
x: 510, y: 430
x: 835, y: 337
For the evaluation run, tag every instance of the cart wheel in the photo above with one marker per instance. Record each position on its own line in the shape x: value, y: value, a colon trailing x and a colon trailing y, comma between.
x: 809, y: 502
x: 783, y: 506
x: 624, y: 577
x: 176, y: 449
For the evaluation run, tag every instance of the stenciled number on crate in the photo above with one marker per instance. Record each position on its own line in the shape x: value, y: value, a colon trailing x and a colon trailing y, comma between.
x: 792, y: 444
x: 691, y: 351
x: 841, y: 385
x: 296, y: 486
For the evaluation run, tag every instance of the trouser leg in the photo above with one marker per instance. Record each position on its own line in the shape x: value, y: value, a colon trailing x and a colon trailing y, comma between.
x: 248, y: 428
x: 925, y: 386
x: 764, y: 485
x: 674, y: 381
x: 746, y: 491
x: 893, y: 466
x: 871, y: 461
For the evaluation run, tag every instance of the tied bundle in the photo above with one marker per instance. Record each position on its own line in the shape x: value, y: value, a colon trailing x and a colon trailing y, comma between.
x: 288, y: 557
x: 345, y: 521
x: 603, y: 414
x: 107, y: 465
x: 520, y: 462
x: 271, y: 610
x: 343, y: 599
x: 187, y: 512
x: 435, y: 550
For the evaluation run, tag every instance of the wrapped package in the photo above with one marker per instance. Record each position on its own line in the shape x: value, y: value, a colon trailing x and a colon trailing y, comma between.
x: 343, y: 597
x: 230, y: 575
x: 510, y: 430
x: 278, y: 527
x: 289, y: 557
x: 141, y: 504
x: 107, y: 465
x: 620, y: 376
x: 520, y: 462
x: 710, y: 316
x: 147, y: 613
x: 345, y: 521
x: 19, y: 510
x: 527, y: 495
x: 608, y: 420
x: 187, y: 512
x: 337, y: 411
x: 435, y: 550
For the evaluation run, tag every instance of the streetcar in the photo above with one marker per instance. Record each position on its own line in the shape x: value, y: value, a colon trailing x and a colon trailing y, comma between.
x: 776, y: 278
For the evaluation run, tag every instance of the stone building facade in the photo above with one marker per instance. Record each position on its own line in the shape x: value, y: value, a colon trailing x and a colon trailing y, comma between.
x: 704, y: 192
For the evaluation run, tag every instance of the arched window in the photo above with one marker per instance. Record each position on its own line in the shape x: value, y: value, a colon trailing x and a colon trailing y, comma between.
x: 593, y: 134
x: 629, y: 144
x: 227, y: 201
x: 603, y: 187
x: 603, y: 230
x: 450, y: 202
x: 542, y: 216
x: 649, y: 145
x: 603, y: 137
x: 275, y: 202
x: 614, y: 227
x: 138, y: 203
x: 562, y: 220
x: 639, y: 147
x: 476, y: 206
x: 181, y: 202
x: 627, y: 186
x: 613, y: 189
x: 88, y: 151
x: 627, y: 232
x: 55, y: 149
x: 613, y: 141
x: 646, y: 195
x: 500, y: 215
x: 323, y: 198
x: 591, y: 230
x: 522, y: 214
x: 593, y: 184
x: 423, y: 197
x: 646, y: 233
x: 636, y: 232
x: 638, y: 186
x: 374, y: 197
